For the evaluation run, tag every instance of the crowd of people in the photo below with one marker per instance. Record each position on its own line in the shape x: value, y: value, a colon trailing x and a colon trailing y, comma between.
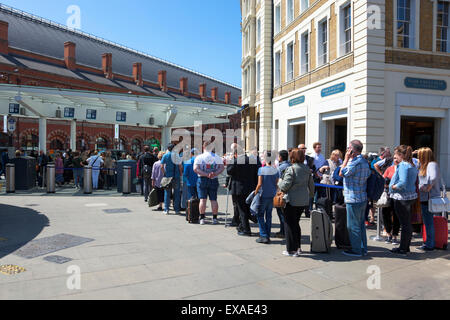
x: 69, y: 166
x: 410, y: 177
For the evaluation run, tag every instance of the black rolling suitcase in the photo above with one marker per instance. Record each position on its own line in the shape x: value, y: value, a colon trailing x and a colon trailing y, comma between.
x: 341, y: 237
x: 193, y: 211
x: 326, y: 204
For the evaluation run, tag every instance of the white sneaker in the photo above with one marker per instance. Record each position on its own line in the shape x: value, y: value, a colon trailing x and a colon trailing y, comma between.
x: 215, y: 221
x: 202, y: 221
x: 166, y: 213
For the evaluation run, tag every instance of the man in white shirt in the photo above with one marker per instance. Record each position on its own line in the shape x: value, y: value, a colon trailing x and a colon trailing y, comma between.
x: 208, y: 166
x: 95, y: 162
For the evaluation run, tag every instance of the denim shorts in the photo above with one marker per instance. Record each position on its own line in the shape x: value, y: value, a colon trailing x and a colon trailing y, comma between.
x: 207, y: 188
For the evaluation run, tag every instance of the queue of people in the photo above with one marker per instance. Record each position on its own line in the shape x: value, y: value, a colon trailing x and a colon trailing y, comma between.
x: 295, y: 174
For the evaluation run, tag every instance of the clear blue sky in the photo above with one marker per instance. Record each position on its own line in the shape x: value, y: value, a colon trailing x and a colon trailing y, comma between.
x: 203, y: 35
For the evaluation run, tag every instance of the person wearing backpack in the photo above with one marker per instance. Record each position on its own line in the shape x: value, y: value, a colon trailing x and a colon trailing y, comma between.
x: 96, y: 163
x: 385, y: 162
x: 403, y: 190
x: 355, y: 170
x: 147, y: 160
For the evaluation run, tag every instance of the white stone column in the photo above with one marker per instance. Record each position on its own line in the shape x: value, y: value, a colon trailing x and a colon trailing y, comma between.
x: 43, y: 134
x: 73, y: 135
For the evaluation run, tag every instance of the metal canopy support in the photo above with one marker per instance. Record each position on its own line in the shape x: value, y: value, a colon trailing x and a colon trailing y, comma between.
x: 43, y: 134
x: 73, y: 135
x: 166, y: 135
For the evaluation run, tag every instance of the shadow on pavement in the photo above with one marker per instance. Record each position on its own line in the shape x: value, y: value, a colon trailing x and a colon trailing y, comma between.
x: 18, y: 226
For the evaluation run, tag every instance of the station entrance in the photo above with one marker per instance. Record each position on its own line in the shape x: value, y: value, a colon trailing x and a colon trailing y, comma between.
x: 419, y: 132
x: 336, y: 135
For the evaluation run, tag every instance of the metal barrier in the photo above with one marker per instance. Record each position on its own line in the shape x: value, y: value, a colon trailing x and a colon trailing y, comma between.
x: 126, y: 185
x: 10, y: 178
x: 87, y: 180
x: 50, y: 178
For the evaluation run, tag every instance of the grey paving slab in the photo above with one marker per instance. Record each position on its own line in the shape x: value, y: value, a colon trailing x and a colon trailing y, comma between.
x: 147, y: 255
x: 315, y: 281
x: 57, y: 259
x: 51, y: 244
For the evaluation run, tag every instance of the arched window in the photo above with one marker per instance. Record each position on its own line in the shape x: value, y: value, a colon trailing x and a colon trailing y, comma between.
x: 136, y: 146
x: 101, y: 144
x: 30, y: 142
x: 56, y: 145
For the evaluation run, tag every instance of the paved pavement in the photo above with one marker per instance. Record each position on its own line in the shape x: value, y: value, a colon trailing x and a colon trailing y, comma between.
x: 143, y: 254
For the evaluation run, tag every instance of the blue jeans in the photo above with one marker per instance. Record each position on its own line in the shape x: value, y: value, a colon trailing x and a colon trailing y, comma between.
x: 77, y: 176
x: 356, y: 227
x: 428, y: 221
x: 281, y: 217
x: 265, y: 217
x: 176, y: 185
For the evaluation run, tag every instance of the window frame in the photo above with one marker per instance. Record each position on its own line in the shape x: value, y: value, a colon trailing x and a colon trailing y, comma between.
x: 303, y: 8
x: 277, y: 71
x: 305, y: 55
x: 290, y: 73
x: 414, y: 25
x: 436, y: 26
x: 277, y: 24
x: 342, y: 41
x: 323, y: 44
x: 258, y: 31
x: 258, y: 76
x: 292, y: 7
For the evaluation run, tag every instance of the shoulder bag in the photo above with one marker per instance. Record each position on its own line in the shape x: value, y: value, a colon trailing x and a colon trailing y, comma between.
x: 279, y: 201
x: 166, y: 182
x: 440, y: 204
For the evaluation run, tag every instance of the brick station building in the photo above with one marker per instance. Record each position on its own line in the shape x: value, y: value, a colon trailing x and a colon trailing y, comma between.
x: 39, y: 53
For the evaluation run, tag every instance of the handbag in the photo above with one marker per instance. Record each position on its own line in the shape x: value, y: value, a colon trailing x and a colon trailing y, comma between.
x: 279, y: 201
x: 153, y: 198
x: 441, y: 204
x: 383, y: 202
x: 166, y: 183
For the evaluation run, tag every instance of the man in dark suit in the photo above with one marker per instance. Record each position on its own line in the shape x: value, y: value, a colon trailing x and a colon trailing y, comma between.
x: 244, y: 179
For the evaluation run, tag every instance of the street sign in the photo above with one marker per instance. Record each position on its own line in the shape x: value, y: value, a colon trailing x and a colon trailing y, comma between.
x: 11, y: 125
x: 5, y: 124
x: 116, y: 131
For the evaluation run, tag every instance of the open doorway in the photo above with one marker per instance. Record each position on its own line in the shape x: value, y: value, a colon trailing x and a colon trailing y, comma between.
x: 296, y: 132
x: 419, y: 132
x: 336, y: 135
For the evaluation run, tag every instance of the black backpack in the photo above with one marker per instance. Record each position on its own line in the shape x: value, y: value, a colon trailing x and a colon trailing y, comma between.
x: 375, y: 186
x: 386, y: 164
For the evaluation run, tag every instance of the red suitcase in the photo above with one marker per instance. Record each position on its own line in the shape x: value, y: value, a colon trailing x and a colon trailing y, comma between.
x: 440, y: 232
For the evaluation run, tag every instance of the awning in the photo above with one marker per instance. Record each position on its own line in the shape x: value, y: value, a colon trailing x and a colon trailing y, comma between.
x: 178, y: 112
